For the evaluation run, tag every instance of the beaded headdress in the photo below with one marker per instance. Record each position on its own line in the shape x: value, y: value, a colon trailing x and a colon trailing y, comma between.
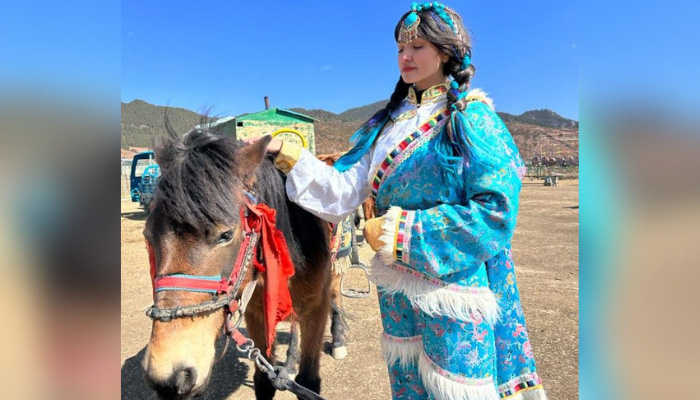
x: 409, y: 27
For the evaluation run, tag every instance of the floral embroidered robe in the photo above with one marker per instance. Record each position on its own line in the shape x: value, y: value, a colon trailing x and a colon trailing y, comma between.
x: 453, y: 324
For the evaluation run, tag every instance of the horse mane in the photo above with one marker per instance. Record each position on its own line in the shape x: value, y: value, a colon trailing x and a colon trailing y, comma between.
x: 195, y: 188
x: 198, y: 188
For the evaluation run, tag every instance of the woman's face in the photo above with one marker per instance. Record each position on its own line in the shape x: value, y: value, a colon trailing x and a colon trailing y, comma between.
x: 420, y: 62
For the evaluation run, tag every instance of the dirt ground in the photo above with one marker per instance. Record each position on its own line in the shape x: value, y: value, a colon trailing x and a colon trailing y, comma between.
x: 545, y: 249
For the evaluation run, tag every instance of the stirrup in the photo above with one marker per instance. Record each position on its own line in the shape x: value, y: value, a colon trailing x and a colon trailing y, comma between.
x: 351, y: 292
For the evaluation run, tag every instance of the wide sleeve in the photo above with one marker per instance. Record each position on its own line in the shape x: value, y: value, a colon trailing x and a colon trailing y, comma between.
x: 451, y: 238
x: 324, y: 191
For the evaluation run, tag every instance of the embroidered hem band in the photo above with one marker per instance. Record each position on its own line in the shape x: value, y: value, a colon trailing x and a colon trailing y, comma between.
x: 517, y: 388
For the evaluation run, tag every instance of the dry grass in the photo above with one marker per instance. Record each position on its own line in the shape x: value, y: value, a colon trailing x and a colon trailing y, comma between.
x: 546, y: 255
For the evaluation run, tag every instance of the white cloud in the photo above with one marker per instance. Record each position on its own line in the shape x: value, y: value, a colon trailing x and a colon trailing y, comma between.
x: 326, y: 68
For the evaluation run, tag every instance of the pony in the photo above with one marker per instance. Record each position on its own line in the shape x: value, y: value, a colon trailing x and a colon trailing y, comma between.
x: 195, y: 228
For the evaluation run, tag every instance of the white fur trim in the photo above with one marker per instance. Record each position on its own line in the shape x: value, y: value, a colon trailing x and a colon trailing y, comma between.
x: 534, y: 394
x: 405, y: 350
x: 391, y: 219
x: 442, y: 387
x: 450, y: 300
x: 480, y: 95
x: 528, y: 394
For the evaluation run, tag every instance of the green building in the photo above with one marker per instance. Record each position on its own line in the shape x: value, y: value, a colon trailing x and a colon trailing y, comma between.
x: 286, y: 124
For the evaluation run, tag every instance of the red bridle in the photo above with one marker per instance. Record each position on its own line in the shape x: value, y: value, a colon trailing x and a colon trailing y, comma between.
x: 258, y: 222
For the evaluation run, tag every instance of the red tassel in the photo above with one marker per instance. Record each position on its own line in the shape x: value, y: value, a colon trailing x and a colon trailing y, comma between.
x: 277, y: 267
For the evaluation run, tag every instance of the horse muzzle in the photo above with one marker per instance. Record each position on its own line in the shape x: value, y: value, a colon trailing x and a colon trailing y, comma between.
x: 178, y: 386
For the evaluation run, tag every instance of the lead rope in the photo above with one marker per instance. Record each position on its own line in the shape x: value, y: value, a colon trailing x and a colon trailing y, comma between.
x: 228, y: 329
x: 278, y: 376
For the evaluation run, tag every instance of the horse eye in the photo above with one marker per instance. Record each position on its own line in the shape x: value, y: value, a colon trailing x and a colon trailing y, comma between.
x: 225, y: 237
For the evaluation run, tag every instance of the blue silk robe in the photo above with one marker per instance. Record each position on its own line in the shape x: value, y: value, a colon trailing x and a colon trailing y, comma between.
x: 450, y: 308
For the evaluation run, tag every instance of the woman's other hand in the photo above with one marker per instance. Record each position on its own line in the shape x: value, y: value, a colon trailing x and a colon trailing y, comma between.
x: 373, y: 231
x: 272, y: 148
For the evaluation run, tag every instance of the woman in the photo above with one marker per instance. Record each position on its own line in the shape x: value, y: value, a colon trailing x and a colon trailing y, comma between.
x: 445, y: 176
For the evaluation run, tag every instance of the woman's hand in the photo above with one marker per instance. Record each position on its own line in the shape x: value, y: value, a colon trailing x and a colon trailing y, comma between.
x: 273, y: 147
x: 373, y: 231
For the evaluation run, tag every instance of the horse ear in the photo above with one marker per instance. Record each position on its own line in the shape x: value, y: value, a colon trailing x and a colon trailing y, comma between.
x: 250, y: 157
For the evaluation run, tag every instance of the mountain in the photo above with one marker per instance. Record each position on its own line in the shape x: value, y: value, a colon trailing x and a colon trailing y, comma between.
x: 363, y: 113
x: 536, y: 132
x: 536, y: 140
x: 142, y: 121
x: 320, y: 115
x: 543, y: 117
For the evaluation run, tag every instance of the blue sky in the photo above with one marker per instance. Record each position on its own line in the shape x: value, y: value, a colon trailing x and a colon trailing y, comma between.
x: 61, y: 49
x: 333, y: 55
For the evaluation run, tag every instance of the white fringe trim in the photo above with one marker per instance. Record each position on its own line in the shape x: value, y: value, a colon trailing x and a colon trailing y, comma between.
x: 341, y: 265
x: 442, y: 387
x: 405, y: 350
x: 391, y: 218
x: 435, y: 300
x: 480, y: 95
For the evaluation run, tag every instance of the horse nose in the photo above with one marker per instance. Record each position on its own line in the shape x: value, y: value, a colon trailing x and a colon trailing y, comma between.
x: 184, y: 380
x: 179, y: 385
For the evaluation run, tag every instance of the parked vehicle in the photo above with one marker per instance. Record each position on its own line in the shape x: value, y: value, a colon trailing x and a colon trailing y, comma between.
x: 144, y: 178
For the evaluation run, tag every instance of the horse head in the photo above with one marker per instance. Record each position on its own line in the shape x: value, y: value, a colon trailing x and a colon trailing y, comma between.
x: 194, y: 229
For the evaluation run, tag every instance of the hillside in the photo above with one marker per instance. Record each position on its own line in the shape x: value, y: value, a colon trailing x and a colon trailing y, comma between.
x: 544, y: 117
x: 363, y: 113
x: 535, y: 140
x: 334, y: 130
x: 142, y: 121
x: 536, y: 132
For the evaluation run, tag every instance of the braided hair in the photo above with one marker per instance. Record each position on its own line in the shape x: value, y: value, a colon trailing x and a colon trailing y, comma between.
x: 444, y: 28
x: 369, y: 131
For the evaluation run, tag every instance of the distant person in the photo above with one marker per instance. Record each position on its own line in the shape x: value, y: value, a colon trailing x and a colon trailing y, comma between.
x: 445, y: 176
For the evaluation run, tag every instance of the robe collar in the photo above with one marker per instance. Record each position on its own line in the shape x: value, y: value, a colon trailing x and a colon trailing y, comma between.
x: 429, y: 95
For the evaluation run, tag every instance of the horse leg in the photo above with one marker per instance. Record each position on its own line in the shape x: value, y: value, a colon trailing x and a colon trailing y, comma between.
x: 292, y: 350
x: 338, y: 325
x: 312, y: 325
x: 256, y: 329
